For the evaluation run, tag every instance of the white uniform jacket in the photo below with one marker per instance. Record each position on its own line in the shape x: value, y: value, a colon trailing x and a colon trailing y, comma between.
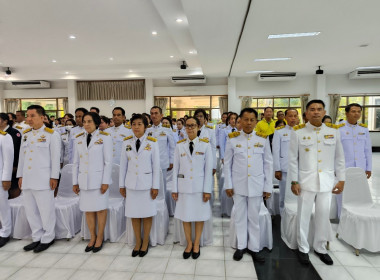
x: 208, y: 132
x: 223, y: 135
x: 21, y: 126
x: 39, y: 158
x: 357, y: 145
x: 218, y: 128
x: 6, y: 156
x: 248, y: 163
x: 117, y: 136
x: 316, y: 157
x: 92, y: 165
x: 192, y: 173
x: 73, y: 133
x: 165, y: 142
x: 140, y: 170
x: 280, y: 148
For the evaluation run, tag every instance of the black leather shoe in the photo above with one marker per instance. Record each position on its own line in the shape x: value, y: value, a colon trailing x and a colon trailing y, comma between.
x: 325, y: 258
x: 97, y: 249
x: 303, y: 258
x: 238, y: 255
x: 42, y: 247
x: 89, y: 248
x: 143, y: 253
x: 4, y: 240
x: 187, y: 255
x: 31, y: 246
x: 196, y: 255
x: 257, y: 256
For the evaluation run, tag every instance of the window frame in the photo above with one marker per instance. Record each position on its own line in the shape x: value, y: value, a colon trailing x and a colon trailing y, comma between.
x: 42, y: 98
x: 257, y: 108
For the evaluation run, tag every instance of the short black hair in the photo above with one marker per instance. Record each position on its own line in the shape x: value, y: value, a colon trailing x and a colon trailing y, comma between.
x: 13, y: 115
x: 194, y: 118
x: 81, y: 109
x: 182, y: 121
x: 105, y: 119
x: 39, y: 109
x: 266, y: 108
x: 229, y: 117
x: 119, y: 108
x: 200, y: 111
x: 169, y: 120
x: 326, y: 117
x: 279, y: 112
x: 156, y: 107
x: 4, y: 117
x: 225, y: 113
x: 95, y: 117
x: 52, y: 116
x: 280, y: 122
x: 96, y: 109
x: 315, y: 101
x: 349, y: 106
x: 71, y: 116
x: 72, y: 121
x: 248, y: 110
x: 290, y: 109
x: 174, y: 119
x: 139, y: 117
x: 21, y: 112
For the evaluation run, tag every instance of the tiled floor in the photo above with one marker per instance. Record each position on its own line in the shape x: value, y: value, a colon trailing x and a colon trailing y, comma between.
x: 67, y: 260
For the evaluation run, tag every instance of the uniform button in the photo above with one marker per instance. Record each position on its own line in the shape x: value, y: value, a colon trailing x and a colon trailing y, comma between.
x: 319, y: 141
x: 113, y: 149
x: 354, y: 135
x: 319, y: 151
x: 354, y: 143
x: 86, y: 154
x: 249, y: 165
x: 136, y: 157
x: 31, y: 151
x: 32, y: 142
x: 249, y: 138
x: 249, y: 156
x: 191, y: 169
x: 249, y: 147
x: 137, y: 173
x: 29, y: 167
x: 356, y: 159
x: 86, y: 162
x: 319, y: 170
x: 319, y: 160
x: 249, y: 175
x: 191, y: 178
x: 137, y: 166
x: 30, y: 159
x: 190, y: 161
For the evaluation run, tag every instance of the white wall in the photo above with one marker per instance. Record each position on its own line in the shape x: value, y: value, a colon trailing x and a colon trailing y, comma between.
x: 130, y: 106
x: 2, y: 85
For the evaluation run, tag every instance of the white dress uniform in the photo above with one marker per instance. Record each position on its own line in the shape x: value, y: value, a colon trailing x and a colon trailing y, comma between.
x: 280, y: 149
x: 208, y: 132
x: 357, y: 149
x: 223, y: 135
x: 315, y: 158
x: 65, y: 137
x: 39, y: 161
x: 117, y: 136
x: 179, y: 131
x: 21, y: 126
x: 6, y: 167
x: 192, y: 176
x: 139, y: 173
x: 248, y: 171
x: 92, y: 167
x: 73, y: 133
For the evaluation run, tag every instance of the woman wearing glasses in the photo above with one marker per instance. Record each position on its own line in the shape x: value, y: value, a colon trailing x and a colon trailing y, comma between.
x: 192, y: 173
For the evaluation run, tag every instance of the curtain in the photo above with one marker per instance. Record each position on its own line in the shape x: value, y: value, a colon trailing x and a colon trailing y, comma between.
x: 65, y: 105
x: 106, y: 90
x: 161, y: 102
x: 246, y: 102
x: 223, y: 104
x: 304, y: 100
x: 12, y: 105
x: 334, y: 106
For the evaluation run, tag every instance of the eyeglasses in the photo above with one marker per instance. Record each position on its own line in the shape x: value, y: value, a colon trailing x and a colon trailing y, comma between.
x: 191, y: 126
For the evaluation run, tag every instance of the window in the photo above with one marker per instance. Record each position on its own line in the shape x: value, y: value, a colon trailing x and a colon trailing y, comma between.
x: 370, y: 112
x: 277, y: 103
x: 179, y: 106
x: 52, y: 106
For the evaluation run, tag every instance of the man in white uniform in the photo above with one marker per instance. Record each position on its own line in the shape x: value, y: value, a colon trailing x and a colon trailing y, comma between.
x: 38, y: 173
x: 280, y: 146
x: 248, y: 178
x: 6, y: 167
x: 79, y: 113
x: 20, y: 123
x: 315, y: 158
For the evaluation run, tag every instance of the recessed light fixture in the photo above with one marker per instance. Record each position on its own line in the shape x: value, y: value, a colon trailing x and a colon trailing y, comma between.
x: 368, y: 67
x: 193, y: 52
x: 293, y: 35
x: 154, y: 33
x: 273, y: 59
x: 111, y: 58
x: 130, y: 71
x: 179, y: 20
x: 364, y: 45
x: 72, y: 37
x: 66, y: 73
x: 258, y: 71
x: 54, y: 61
x: 172, y: 56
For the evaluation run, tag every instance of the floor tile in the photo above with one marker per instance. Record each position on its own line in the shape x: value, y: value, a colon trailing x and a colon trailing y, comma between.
x: 125, y: 263
x: 147, y: 276
x: 218, y: 241
x: 241, y: 278
x: 177, y: 251
x: 178, y: 266
x: 350, y: 259
x: 19, y: 259
x: 161, y: 251
x: 98, y: 262
x: 86, y: 274
x: 210, y: 268
x: 363, y: 273
x: 72, y: 261
x: 5, y: 255
x: 117, y: 275
x: 169, y: 239
x: 61, y: 246
x: 212, y: 253
x: 110, y: 249
x: 7, y: 271
x: 152, y: 265
x: 45, y: 260
x: 15, y: 245
x: 332, y: 272
x: 178, y: 277
x: 229, y: 253
x: 28, y: 273
x: 316, y: 260
x: 338, y: 245
x: 372, y: 258
x: 57, y: 274
x: 78, y: 248
x: 240, y: 269
x: 200, y: 277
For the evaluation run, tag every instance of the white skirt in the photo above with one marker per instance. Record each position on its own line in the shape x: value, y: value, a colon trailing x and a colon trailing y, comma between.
x: 139, y: 204
x: 191, y: 208
x: 93, y: 200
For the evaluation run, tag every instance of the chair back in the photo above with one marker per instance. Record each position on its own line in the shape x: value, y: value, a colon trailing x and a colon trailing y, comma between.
x: 114, y: 186
x: 356, y: 188
x: 65, y: 188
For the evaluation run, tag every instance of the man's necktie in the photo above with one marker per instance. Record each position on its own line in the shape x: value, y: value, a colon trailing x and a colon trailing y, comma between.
x: 198, y: 133
x: 191, y: 147
x: 233, y: 130
x: 88, y: 139
x: 137, y: 144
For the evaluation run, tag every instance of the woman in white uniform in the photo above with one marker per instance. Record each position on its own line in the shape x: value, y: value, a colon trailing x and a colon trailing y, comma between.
x: 92, y: 170
x: 139, y: 180
x: 192, y: 173
x: 181, y: 129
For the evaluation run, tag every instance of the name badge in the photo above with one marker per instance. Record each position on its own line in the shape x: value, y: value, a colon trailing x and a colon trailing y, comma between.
x: 258, y: 145
x: 199, y: 153
x: 183, y: 155
x: 162, y: 134
x: 41, y: 140
x: 99, y: 142
x: 180, y: 176
x: 238, y: 146
x: 361, y: 133
x: 285, y: 134
x: 79, y: 142
x: 148, y: 147
x: 128, y: 148
x: 329, y: 136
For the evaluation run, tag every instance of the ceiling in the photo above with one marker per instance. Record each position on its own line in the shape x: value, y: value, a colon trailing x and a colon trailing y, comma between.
x: 34, y: 33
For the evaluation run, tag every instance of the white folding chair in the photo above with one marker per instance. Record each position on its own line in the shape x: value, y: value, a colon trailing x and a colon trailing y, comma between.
x: 20, y: 225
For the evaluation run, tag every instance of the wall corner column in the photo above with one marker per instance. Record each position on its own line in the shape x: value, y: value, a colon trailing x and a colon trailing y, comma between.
x: 234, y: 103
x: 149, y: 95
x: 72, y: 95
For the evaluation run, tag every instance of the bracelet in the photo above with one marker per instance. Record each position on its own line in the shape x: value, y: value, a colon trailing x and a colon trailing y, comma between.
x: 294, y: 183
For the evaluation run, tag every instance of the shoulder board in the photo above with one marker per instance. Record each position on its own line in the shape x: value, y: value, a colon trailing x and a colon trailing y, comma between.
x: 18, y: 127
x: 78, y: 135
x: 166, y: 125
x: 363, y: 125
x: 204, y: 140
x: 128, y: 137
x: 233, y: 134
x: 150, y: 138
x: 104, y: 133
x: 262, y: 135
x: 331, y: 125
x: 64, y: 133
x: 280, y: 127
x: 129, y: 123
x: 149, y: 126
x: 340, y: 125
x: 302, y: 125
x: 220, y: 122
x: 180, y: 141
x: 174, y: 130
x: 26, y: 130
x: 209, y: 126
x: 3, y: 132
x: 51, y: 131
x: 127, y: 126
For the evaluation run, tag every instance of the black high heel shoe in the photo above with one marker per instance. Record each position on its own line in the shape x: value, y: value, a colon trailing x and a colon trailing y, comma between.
x: 187, y: 255
x: 196, y: 255
x: 143, y: 253
x: 97, y: 249
x: 136, y: 253
x: 89, y: 248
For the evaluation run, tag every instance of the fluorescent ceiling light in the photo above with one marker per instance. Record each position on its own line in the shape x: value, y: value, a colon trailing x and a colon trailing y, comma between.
x: 368, y: 67
x: 258, y: 71
x: 72, y: 37
x: 111, y: 58
x: 178, y: 20
x: 54, y: 61
x: 66, y: 73
x: 154, y: 32
x: 293, y: 35
x: 273, y: 59
x: 130, y: 71
x: 171, y: 56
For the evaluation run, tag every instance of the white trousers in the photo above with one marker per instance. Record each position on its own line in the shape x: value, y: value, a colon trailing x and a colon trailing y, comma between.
x: 322, y: 225
x: 40, y: 212
x: 282, y: 186
x: 247, y: 226
x: 5, y: 214
x: 339, y: 199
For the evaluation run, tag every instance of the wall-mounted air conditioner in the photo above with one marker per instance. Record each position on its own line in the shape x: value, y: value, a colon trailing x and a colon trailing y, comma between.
x: 189, y: 80
x: 31, y: 84
x: 364, y: 74
x: 276, y: 77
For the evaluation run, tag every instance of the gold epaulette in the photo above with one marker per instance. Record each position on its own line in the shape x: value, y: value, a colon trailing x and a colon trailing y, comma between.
x: 302, y: 125
x: 49, y: 130
x: 127, y: 126
x: 64, y: 133
x: 180, y: 141
x: 262, y: 135
x: 363, y: 125
x: 128, y: 137
x: 220, y: 122
x: 204, y: 140
x: 104, y: 133
x: 233, y: 134
x: 332, y: 125
x: 280, y: 127
x: 166, y: 125
x: 26, y: 130
x: 80, y: 134
x: 174, y: 130
x: 209, y: 126
x: 3, y: 132
x: 18, y: 127
x: 150, y: 138
x: 340, y: 125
